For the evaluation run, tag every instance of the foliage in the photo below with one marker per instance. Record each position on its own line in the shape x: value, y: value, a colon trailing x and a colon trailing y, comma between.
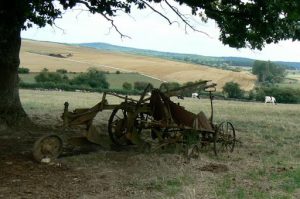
x: 233, y: 90
x: 115, y: 81
x: 93, y: 78
x: 282, y: 95
x: 268, y: 72
x: 118, y: 72
x: 188, y: 91
x: 62, y: 71
x: 241, y: 23
x: 23, y: 70
x: 127, y: 86
x: 68, y: 87
x: 141, y: 85
x: 169, y: 86
x: 251, y: 95
x: 54, y: 77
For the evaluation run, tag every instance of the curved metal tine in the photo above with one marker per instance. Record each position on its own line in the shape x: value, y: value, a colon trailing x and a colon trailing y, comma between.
x: 118, y: 135
x: 117, y: 117
x: 115, y: 121
x: 124, y: 113
x: 143, y: 95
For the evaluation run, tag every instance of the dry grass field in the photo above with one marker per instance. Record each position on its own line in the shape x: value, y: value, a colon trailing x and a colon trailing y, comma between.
x: 265, y: 164
x: 34, y: 55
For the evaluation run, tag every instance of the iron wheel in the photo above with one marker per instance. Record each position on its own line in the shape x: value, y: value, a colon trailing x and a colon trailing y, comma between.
x: 48, y: 146
x: 224, y: 138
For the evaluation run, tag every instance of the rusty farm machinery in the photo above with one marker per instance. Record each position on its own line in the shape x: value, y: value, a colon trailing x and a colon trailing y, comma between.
x: 151, y: 123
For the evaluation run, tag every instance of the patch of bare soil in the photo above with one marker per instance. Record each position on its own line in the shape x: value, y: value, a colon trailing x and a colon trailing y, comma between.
x: 214, y: 168
x: 90, y: 171
x: 22, y: 177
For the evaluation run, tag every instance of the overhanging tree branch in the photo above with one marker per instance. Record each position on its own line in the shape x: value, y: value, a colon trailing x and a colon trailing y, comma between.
x: 114, y: 26
x: 156, y: 11
x: 185, y: 21
x: 106, y: 15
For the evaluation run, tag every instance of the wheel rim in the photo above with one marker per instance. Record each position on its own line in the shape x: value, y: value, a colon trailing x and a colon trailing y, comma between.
x: 49, y: 146
x: 224, y: 138
x: 117, y: 127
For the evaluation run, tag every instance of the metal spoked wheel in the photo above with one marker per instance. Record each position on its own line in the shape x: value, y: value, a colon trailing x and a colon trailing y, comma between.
x: 47, y: 147
x: 224, y: 138
x: 117, y: 127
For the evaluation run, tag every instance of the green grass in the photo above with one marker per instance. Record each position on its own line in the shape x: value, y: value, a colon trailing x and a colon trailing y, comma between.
x: 292, y: 80
x: 168, y: 186
x: 294, y: 74
x: 290, y: 83
x: 115, y: 80
x: 28, y: 78
x: 265, y: 164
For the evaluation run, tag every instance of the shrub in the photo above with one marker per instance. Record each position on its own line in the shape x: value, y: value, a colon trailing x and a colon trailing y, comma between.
x: 282, y: 95
x: 259, y: 94
x: 93, y: 78
x: 54, y: 77
x: 62, y: 71
x: 118, y: 72
x: 141, y: 85
x: 251, y: 95
x: 233, y: 90
x: 45, y: 70
x: 169, y: 86
x: 127, y: 86
x: 23, y: 70
x: 68, y: 87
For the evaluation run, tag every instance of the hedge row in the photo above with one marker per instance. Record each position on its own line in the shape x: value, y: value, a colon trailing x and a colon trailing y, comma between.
x: 282, y: 95
x: 68, y: 87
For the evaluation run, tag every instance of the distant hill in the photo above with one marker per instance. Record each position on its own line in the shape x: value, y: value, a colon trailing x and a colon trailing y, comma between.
x: 37, y: 55
x: 189, y: 58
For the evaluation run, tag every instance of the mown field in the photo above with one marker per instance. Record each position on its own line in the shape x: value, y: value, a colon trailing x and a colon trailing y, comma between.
x: 265, y: 164
x: 115, y: 80
x: 35, y: 55
x: 292, y: 80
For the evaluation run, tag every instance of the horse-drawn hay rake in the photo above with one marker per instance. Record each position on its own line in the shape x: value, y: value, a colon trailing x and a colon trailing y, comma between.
x: 150, y: 123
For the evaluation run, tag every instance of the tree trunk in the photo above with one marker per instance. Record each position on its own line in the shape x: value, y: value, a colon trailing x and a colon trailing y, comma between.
x: 11, y: 110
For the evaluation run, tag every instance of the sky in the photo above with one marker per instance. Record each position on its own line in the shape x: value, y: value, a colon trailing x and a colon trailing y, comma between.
x: 148, y: 30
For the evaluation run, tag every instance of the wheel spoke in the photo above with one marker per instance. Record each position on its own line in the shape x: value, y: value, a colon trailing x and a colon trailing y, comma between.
x: 225, y: 137
x: 117, y: 126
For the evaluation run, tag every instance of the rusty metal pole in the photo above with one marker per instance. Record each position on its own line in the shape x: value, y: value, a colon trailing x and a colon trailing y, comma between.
x: 65, y: 115
x: 212, y: 108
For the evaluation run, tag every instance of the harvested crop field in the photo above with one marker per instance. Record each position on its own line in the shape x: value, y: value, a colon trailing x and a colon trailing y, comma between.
x: 38, y: 55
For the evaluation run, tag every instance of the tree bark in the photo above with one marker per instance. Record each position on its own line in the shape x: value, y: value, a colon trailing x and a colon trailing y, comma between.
x: 11, y: 110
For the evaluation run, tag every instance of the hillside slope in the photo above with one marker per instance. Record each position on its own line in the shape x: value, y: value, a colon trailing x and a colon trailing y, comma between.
x: 37, y: 55
x: 189, y: 58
